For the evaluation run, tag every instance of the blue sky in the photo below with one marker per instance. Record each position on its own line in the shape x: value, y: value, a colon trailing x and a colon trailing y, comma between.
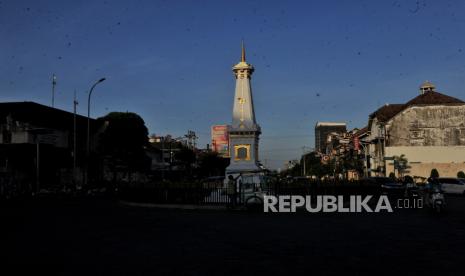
x: 170, y: 61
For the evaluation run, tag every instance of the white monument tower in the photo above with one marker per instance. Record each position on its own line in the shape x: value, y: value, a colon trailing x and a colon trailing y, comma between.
x: 244, y: 130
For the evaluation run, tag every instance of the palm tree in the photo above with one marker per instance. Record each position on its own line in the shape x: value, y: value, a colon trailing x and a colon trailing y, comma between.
x: 400, y: 163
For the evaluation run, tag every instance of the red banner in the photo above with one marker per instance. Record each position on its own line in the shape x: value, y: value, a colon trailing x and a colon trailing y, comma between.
x: 220, y: 139
x: 356, y: 143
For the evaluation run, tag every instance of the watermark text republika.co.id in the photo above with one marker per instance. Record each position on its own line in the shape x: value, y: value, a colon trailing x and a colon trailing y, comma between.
x: 337, y: 204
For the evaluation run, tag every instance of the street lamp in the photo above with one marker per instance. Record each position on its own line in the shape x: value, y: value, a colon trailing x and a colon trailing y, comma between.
x: 88, y: 126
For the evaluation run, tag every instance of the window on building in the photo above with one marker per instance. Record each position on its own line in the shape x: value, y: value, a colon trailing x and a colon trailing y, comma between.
x: 242, y: 152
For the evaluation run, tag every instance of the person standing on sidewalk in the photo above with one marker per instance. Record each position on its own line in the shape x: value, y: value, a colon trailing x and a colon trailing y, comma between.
x: 232, y: 191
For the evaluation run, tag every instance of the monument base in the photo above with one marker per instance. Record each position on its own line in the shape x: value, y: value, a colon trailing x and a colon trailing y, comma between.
x: 245, y: 177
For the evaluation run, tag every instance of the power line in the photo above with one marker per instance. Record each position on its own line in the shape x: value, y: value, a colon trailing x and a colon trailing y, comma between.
x: 284, y: 136
x: 271, y: 136
x: 281, y: 149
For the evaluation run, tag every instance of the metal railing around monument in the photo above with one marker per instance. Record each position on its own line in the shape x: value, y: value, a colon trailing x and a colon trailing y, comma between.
x: 217, y: 194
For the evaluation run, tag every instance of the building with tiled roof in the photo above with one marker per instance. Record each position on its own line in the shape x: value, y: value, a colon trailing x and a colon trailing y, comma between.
x: 429, y: 130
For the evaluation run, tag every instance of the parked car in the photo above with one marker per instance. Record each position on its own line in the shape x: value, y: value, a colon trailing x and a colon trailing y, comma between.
x: 452, y: 185
x: 386, y: 185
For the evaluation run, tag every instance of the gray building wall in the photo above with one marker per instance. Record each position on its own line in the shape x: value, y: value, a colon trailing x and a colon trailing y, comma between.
x: 438, y: 125
x: 429, y: 136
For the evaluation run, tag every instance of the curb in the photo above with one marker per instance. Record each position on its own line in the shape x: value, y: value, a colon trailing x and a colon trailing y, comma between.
x: 173, y: 206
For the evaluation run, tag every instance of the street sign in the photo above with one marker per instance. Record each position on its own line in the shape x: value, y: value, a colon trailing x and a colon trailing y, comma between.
x: 356, y: 143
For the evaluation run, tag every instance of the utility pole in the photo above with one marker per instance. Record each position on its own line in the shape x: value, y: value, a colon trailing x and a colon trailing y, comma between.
x: 191, y: 139
x: 171, y: 155
x: 365, y: 148
x: 163, y: 157
x: 75, y: 103
x: 37, y: 164
x: 304, y: 173
x: 54, y: 82
x: 195, y: 140
x: 381, y: 147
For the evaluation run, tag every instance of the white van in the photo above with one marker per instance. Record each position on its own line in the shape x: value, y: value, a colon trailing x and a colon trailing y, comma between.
x: 452, y: 185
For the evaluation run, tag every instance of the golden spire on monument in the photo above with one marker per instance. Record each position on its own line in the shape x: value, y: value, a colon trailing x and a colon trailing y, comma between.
x: 243, y: 52
x: 243, y: 69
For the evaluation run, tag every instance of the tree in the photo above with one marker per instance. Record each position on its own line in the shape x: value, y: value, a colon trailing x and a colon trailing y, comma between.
x: 294, y: 169
x: 123, y: 141
x: 400, y: 164
x: 351, y: 162
x: 211, y: 164
x: 186, y: 157
x: 313, y: 165
x: 460, y: 174
x: 434, y: 173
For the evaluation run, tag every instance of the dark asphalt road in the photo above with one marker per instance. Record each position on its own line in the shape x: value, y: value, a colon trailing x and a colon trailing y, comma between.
x: 103, y: 237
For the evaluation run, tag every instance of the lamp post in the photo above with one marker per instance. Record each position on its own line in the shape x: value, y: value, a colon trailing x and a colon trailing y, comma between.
x: 88, y: 127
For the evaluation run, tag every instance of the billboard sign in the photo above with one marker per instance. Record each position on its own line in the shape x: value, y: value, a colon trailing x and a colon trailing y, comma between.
x: 220, y: 139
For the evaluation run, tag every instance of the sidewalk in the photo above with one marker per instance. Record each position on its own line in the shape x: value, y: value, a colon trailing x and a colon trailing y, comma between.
x: 175, y: 206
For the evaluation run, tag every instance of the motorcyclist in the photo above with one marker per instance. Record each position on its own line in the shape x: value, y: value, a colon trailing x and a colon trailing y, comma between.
x: 432, y: 186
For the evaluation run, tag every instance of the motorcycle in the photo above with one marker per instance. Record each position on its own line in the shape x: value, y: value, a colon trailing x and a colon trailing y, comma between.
x: 437, y: 201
